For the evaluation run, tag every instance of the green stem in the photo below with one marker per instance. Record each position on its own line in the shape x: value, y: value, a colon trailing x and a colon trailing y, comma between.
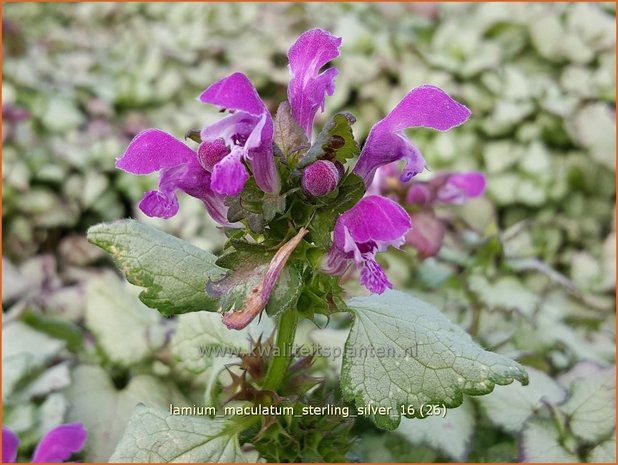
x: 476, y: 320
x: 477, y: 311
x: 286, y: 330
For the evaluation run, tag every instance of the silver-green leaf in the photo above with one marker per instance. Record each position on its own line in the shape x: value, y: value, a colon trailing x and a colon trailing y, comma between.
x: 172, y: 271
x: 450, y: 434
x: 105, y: 410
x: 540, y: 442
x: 155, y: 436
x: 403, y: 351
x: 125, y: 329
x: 590, y: 408
x: 511, y: 406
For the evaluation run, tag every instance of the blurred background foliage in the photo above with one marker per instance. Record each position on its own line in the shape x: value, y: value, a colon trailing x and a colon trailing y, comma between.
x: 529, y: 269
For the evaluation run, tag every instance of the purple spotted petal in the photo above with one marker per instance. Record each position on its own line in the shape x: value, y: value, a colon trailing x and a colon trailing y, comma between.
x: 10, y: 442
x: 308, y: 87
x: 425, y: 106
x: 372, y: 276
x: 210, y: 153
x: 371, y: 226
x: 250, y: 128
x: 460, y: 187
x: 427, y: 234
x: 60, y: 443
x: 234, y: 129
x: 152, y: 150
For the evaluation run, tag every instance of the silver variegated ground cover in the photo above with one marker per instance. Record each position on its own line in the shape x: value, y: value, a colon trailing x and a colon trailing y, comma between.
x: 540, y: 80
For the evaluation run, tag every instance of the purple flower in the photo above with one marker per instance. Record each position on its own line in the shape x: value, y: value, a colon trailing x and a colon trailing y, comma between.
x: 10, y: 442
x: 371, y: 226
x: 425, y: 106
x: 56, y: 446
x: 454, y: 188
x: 321, y: 178
x: 308, y: 87
x: 419, y: 194
x: 459, y: 187
x: 427, y: 234
x: 179, y: 169
x: 429, y: 230
x: 247, y: 132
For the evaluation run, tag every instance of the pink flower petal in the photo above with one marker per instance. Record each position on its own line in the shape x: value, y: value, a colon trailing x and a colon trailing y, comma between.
x: 250, y: 128
x: 371, y: 226
x: 460, y: 187
x: 427, y: 233
x: 10, y: 443
x: 60, y: 443
x: 425, y: 106
x: 152, y: 150
x: 308, y: 87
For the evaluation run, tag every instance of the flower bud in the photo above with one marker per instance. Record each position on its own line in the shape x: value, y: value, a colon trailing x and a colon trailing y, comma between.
x: 210, y: 153
x: 320, y: 178
x: 419, y: 194
x: 427, y: 233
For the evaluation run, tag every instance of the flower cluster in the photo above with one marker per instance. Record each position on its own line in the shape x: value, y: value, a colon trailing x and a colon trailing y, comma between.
x: 56, y: 446
x: 421, y: 198
x: 242, y: 145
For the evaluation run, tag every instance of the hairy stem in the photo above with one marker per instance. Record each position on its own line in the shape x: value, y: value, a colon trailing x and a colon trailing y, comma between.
x: 286, y: 330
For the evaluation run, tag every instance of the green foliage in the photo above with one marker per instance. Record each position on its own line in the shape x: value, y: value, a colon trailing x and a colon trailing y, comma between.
x: 586, y: 409
x: 105, y: 410
x: 155, y: 436
x: 450, y: 436
x: 126, y: 330
x: 416, y: 357
x: 335, y: 141
x: 255, y: 207
x: 289, y: 136
x: 27, y: 353
x: 200, y: 331
x: 248, y: 264
x: 307, y: 439
x: 349, y: 192
x: 512, y: 406
x: 172, y: 271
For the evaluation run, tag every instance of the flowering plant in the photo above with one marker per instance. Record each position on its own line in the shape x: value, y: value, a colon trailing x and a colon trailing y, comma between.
x: 56, y: 446
x: 298, y: 211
